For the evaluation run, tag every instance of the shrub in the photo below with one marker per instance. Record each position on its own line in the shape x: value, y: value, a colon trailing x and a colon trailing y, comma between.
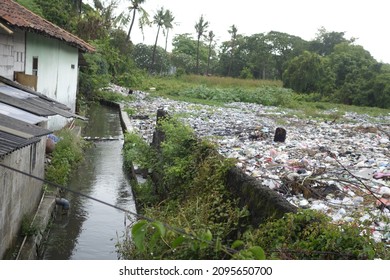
x: 67, y: 153
x: 191, y: 196
x: 310, y: 234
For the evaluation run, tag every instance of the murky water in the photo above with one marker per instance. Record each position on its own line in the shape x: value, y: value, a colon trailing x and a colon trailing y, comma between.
x: 91, y: 229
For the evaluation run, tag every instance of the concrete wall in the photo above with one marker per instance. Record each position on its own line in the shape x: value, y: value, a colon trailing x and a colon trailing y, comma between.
x: 57, y: 71
x: 12, y: 53
x: 19, y: 194
x: 262, y: 202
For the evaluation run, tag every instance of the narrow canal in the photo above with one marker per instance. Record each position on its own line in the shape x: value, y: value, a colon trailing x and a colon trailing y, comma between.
x: 91, y: 229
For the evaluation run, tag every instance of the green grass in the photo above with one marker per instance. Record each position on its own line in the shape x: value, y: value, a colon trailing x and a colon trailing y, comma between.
x: 174, y: 85
x: 225, y: 82
x: 221, y: 90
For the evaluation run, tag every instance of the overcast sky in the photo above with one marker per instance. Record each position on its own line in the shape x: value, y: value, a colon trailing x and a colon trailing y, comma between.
x: 368, y: 21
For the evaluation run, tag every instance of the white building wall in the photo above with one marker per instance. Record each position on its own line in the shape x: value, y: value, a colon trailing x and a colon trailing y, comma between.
x: 57, y: 71
x: 19, y: 51
x: 19, y: 194
x: 12, y: 53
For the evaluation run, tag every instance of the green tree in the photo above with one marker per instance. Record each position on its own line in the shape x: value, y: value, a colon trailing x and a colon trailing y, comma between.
x: 260, y: 61
x: 325, y: 41
x: 309, y: 73
x: 142, y: 55
x: 32, y: 6
x: 184, y: 53
x: 133, y: 9
x: 233, y: 57
x: 97, y: 23
x: 378, y: 91
x: 184, y: 43
x: 78, y: 5
x: 118, y: 40
x: 97, y: 72
x: 168, y: 25
x: 233, y: 41
x: 59, y: 12
x: 354, y: 67
x: 158, y: 19
x: 283, y: 48
x: 201, y: 28
x: 210, y: 39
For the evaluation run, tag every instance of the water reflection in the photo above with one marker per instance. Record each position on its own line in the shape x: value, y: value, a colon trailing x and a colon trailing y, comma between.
x: 90, y: 229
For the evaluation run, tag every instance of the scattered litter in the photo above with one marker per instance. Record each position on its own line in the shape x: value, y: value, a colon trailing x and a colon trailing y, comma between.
x: 331, y: 167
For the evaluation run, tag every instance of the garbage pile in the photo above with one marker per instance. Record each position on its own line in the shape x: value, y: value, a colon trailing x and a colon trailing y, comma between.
x: 339, y: 167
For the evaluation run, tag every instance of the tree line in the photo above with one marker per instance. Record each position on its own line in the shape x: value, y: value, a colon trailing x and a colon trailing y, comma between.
x: 330, y: 67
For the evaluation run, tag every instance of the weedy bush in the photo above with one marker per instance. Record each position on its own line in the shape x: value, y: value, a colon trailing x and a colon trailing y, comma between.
x: 310, y: 234
x: 191, y: 196
x: 112, y: 96
x: 67, y: 153
x: 28, y: 228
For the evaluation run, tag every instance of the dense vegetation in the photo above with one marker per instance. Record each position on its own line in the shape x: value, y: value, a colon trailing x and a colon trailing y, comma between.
x: 328, y: 68
x: 66, y: 155
x: 189, y: 214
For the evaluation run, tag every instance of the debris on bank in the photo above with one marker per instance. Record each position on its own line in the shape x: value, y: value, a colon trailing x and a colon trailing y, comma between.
x: 339, y: 167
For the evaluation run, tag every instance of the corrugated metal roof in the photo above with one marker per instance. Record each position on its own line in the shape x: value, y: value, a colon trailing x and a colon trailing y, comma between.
x: 15, y: 134
x: 15, y: 15
x: 20, y: 114
x: 37, y: 103
x: 10, y: 143
x: 33, y: 130
x: 25, y: 104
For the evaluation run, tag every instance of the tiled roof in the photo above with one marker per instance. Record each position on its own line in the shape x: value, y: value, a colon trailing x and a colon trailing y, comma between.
x: 14, y: 15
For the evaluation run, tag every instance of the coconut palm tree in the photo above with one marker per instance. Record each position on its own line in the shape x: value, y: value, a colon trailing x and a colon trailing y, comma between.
x: 135, y: 8
x: 159, y: 20
x: 201, y: 28
x: 210, y: 38
x: 233, y: 33
x: 168, y: 24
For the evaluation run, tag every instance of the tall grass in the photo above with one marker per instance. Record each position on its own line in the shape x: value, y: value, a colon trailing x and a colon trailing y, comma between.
x: 173, y: 85
x: 224, y: 82
x: 221, y: 90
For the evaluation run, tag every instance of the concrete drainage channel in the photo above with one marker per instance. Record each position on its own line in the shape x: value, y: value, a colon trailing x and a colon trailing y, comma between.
x: 49, y: 220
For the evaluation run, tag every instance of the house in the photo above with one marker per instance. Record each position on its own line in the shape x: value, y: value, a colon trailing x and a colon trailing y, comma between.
x: 39, y: 54
x: 38, y: 86
x: 24, y: 114
x: 23, y: 120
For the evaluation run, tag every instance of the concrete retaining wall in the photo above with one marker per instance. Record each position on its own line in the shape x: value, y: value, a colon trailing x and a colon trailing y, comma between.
x: 262, y: 202
x: 19, y: 194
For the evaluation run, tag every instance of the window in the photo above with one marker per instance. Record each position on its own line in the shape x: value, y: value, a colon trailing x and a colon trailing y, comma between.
x: 35, y: 66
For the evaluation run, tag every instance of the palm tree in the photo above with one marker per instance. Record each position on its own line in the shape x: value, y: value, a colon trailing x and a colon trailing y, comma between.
x: 233, y: 33
x: 159, y: 20
x: 134, y: 8
x: 168, y: 24
x: 210, y: 37
x: 201, y: 28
